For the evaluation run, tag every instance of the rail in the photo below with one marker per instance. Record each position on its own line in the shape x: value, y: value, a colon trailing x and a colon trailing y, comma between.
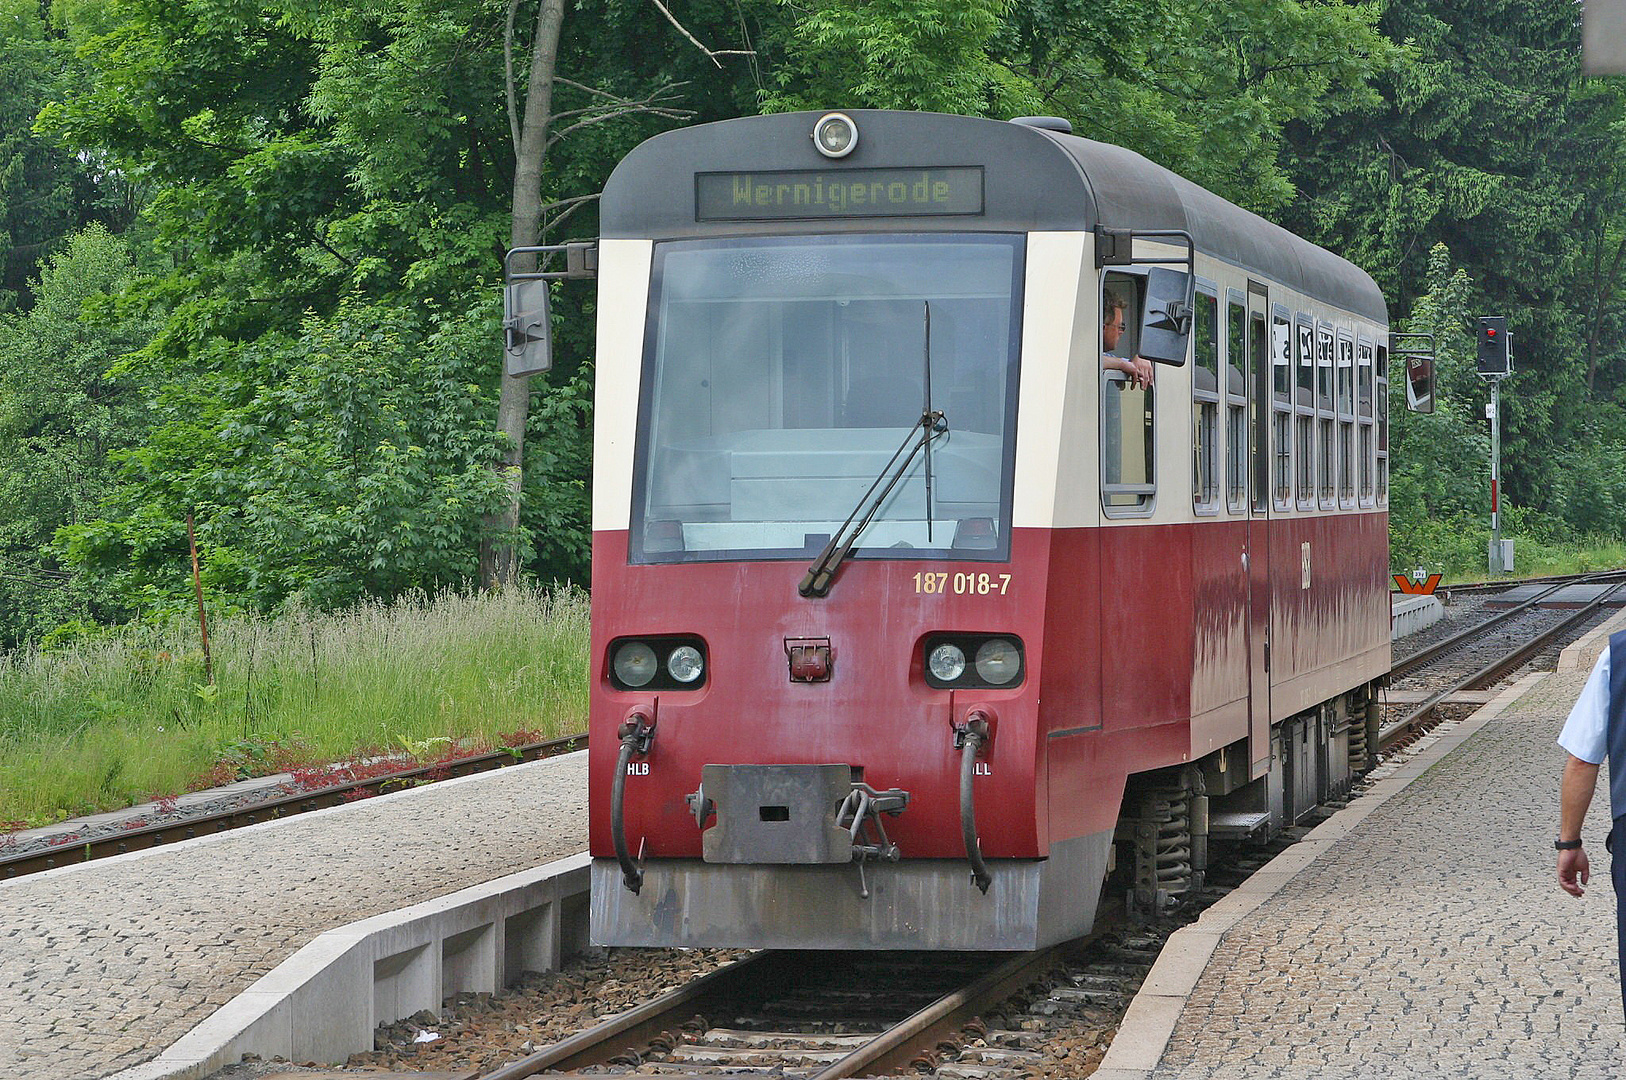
x: 621, y: 1038
x: 1488, y: 674
x: 1426, y: 655
x: 70, y: 852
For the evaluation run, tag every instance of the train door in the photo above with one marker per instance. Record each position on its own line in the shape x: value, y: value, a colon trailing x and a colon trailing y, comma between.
x: 1258, y: 533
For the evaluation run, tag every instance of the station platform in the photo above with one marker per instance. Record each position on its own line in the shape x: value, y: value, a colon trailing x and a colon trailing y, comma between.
x: 1418, y: 933
x: 105, y: 964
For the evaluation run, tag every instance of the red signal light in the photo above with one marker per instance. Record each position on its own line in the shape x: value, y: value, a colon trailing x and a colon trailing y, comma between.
x: 1490, y: 331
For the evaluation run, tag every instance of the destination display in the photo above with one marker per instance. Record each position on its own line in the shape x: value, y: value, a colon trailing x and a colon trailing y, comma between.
x: 837, y: 193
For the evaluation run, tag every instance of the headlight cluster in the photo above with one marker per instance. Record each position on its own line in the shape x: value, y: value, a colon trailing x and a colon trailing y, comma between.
x: 956, y: 661
x: 664, y: 663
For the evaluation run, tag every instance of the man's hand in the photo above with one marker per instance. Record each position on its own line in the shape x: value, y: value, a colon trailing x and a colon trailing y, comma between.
x: 1143, y: 372
x: 1573, y: 871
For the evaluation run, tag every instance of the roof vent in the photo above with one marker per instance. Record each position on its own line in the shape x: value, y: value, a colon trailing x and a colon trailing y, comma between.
x: 1048, y: 123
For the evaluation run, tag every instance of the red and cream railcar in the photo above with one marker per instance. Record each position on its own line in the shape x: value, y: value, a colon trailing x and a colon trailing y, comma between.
x: 1069, y: 629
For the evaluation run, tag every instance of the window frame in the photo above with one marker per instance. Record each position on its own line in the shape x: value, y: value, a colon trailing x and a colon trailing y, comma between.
x: 1281, y: 409
x: 1207, y: 291
x: 1147, y: 492
x: 1326, y: 458
x: 654, y: 326
x: 1366, y: 434
x: 1381, y: 399
x: 1344, y: 433
x: 1238, y: 466
x: 1304, y: 421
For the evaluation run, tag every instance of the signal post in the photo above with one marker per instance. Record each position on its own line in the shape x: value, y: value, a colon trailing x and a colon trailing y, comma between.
x: 1495, y: 363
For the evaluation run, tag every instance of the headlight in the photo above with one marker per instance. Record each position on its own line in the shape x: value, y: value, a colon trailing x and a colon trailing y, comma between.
x: 947, y: 662
x: 685, y: 664
x: 835, y: 135
x: 998, y: 662
x: 635, y: 663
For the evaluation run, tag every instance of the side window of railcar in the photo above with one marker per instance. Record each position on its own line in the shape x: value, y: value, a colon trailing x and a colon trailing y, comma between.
x: 1236, y: 405
x: 1323, y: 405
x: 1304, y: 412
x: 1346, y: 418
x: 1281, y: 416
x: 1128, y: 476
x: 1205, y: 406
x: 1383, y: 426
x: 1363, y: 411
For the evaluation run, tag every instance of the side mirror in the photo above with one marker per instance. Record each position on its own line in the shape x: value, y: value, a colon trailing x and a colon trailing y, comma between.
x: 1165, y: 329
x: 1420, y: 384
x: 528, y: 345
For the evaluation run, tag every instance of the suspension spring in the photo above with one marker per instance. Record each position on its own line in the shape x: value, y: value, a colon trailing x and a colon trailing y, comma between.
x: 1357, y: 743
x: 1169, y: 812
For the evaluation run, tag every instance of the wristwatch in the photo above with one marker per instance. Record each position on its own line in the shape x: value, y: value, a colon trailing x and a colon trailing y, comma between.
x: 1566, y: 845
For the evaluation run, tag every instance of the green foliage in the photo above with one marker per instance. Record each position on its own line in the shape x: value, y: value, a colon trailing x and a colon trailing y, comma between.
x: 306, y: 307
x: 1205, y: 89
x: 1489, y: 141
x: 351, y: 459
x: 63, y: 410
x: 930, y: 55
x: 46, y: 192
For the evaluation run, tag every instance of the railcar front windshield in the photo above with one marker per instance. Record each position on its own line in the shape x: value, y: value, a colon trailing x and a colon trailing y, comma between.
x: 781, y: 374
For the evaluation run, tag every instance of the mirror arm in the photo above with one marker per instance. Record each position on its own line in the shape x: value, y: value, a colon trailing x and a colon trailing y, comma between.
x: 581, y: 261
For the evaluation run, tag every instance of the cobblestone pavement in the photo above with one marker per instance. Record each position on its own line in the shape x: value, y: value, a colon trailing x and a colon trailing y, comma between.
x: 103, y: 966
x: 1433, y: 940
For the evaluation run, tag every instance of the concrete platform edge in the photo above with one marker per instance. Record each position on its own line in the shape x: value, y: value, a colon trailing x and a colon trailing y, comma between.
x: 324, y: 1002
x: 1138, y: 1046
x: 273, y: 823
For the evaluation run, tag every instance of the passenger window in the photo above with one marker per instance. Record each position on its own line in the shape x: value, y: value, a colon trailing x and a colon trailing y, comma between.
x: 1324, y: 422
x: 1205, y: 398
x: 1236, y: 408
x: 1281, y: 355
x: 1304, y: 413
x: 1383, y: 427
x: 1363, y: 409
x: 1128, y: 476
x: 1346, y: 418
x: 1259, y: 383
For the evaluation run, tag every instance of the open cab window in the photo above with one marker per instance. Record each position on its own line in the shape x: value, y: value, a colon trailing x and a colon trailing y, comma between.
x: 1128, y: 473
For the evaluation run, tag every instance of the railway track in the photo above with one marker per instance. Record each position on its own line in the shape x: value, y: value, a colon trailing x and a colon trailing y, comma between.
x: 1491, y: 587
x: 1048, y: 1014
x: 83, y: 850
x: 1524, y: 631
x: 828, y: 1016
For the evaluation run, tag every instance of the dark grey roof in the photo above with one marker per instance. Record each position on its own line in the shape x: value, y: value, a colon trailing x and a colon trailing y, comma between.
x: 1035, y: 180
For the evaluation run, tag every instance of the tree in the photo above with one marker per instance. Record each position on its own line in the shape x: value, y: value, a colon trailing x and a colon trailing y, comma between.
x: 1203, y: 89
x: 46, y: 193
x: 930, y: 55
x: 531, y: 119
x: 1488, y: 141
x: 63, y: 410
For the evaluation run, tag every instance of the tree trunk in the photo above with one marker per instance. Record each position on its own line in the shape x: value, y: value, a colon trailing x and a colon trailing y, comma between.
x: 499, y: 558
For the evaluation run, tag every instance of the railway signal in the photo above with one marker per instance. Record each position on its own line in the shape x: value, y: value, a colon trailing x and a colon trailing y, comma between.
x: 1495, y: 355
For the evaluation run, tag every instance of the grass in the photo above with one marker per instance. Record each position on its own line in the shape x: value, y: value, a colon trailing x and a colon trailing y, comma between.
x: 113, y: 722
x: 1533, y: 558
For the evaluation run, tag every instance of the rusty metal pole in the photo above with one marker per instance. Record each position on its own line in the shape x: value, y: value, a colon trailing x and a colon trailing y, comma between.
x: 197, y: 587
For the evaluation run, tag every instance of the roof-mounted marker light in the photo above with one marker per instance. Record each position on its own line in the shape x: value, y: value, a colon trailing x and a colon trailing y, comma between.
x: 835, y: 135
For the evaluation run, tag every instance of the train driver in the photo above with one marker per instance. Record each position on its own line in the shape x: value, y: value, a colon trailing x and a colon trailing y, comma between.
x: 1138, y: 369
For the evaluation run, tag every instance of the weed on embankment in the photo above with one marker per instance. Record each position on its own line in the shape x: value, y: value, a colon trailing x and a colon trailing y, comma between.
x: 118, y: 720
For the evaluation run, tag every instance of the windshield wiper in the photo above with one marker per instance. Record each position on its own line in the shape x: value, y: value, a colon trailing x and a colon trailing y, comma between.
x: 816, y: 582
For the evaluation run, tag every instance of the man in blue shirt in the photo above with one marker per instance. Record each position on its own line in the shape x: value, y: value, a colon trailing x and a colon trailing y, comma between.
x: 1595, y: 730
